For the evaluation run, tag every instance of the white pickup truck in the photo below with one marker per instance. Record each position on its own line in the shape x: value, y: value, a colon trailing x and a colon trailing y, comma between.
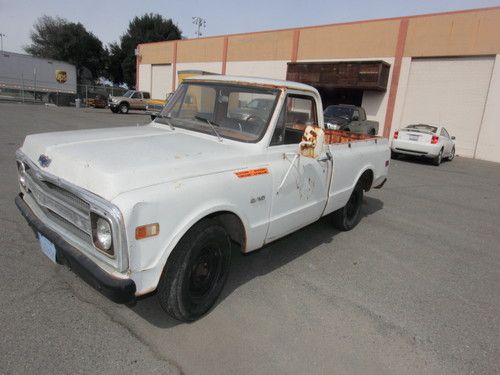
x: 159, y: 207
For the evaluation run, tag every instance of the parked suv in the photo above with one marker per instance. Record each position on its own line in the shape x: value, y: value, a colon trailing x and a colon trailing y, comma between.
x: 130, y: 100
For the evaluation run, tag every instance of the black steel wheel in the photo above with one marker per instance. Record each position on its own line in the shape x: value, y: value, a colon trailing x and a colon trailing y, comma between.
x: 349, y: 216
x: 196, y: 272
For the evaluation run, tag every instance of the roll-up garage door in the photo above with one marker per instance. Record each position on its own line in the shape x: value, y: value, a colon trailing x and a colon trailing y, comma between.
x: 161, y: 81
x: 450, y: 92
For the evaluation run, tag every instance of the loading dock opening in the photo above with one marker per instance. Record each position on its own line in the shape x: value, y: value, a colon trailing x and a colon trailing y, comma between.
x: 341, y: 82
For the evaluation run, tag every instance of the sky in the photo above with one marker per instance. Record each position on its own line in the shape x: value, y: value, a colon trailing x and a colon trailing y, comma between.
x: 108, y: 19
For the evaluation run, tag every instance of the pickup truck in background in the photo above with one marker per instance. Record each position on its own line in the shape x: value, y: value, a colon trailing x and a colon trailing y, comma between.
x: 159, y: 207
x: 130, y: 100
x: 349, y: 118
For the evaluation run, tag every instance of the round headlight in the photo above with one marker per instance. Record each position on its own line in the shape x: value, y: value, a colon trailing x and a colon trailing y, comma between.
x: 103, y: 235
x: 21, y: 173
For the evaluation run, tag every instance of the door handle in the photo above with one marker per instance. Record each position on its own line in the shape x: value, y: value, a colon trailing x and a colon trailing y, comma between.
x: 327, y: 157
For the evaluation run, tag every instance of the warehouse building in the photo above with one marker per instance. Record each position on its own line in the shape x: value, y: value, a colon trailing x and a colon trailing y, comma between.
x: 439, y: 68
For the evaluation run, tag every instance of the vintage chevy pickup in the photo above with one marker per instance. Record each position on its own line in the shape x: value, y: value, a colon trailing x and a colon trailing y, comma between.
x: 159, y: 207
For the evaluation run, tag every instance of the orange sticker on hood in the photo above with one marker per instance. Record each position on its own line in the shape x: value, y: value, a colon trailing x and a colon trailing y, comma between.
x: 251, y: 172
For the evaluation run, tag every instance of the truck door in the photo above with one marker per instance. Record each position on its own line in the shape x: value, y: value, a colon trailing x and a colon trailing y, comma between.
x: 136, y: 101
x: 300, y: 183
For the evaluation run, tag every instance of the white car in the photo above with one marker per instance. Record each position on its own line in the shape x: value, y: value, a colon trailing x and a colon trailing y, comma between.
x: 429, y: 141
x: 159, y: 207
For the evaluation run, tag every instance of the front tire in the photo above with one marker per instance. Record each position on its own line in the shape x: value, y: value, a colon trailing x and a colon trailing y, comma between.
x: 195, y: 272
x: 123, y: 108
x: 349, y: 216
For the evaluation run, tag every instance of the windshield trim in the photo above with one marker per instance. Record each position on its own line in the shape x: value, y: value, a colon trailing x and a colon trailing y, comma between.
x: 223, y: 132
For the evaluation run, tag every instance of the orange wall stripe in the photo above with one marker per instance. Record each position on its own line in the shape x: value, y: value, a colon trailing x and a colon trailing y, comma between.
x: 251, y: 172
x: 295, y: 45
x: 174, y: 65
x: 224, y: 54
x: 396, y: 71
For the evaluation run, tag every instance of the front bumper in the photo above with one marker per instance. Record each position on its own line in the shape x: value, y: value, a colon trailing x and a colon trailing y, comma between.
x: 117, y: 290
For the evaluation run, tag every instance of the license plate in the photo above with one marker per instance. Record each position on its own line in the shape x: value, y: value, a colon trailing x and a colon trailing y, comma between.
x: 413, y: 137
x: 48, y: 248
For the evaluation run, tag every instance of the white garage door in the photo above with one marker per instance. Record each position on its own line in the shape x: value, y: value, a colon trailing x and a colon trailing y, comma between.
x: 161, y: 81
x: 451, y: 92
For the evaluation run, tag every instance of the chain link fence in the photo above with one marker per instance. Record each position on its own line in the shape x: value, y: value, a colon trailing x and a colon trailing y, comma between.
x: 28, y: 92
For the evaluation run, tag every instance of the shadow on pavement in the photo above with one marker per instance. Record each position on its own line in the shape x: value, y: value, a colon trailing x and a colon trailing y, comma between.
x: 246, y: 267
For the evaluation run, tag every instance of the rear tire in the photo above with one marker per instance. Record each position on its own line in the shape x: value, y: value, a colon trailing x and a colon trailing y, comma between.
x: 452, y: 154
x: 349, y: 216
x: 438, y: 159
x: 195, y: 272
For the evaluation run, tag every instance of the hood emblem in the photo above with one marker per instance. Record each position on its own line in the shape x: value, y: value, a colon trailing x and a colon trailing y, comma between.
x: 44, y: 161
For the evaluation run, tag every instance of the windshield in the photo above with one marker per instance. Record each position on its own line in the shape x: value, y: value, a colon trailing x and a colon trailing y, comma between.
x: 129, y: 93
x: 335, y: 111
x: 221, y: 109
x: 422, y: 127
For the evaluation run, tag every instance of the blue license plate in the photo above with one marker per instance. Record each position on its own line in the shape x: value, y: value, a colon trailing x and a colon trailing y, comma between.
x: 48, y: 248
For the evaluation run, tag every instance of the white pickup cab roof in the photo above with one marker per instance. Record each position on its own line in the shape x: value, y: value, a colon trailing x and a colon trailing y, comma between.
x: 254, y: 80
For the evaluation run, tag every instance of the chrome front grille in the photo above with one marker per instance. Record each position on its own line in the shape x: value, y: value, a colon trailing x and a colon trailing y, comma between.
x: 61, y: 206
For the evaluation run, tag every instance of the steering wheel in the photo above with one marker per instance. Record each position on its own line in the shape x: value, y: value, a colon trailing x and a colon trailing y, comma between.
x: 254, y: 120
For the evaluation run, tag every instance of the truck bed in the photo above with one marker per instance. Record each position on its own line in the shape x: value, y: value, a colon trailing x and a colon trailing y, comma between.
x: 341, y: 136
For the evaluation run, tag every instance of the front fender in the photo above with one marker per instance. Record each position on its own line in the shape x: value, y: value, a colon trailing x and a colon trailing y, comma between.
x: 177, y: 206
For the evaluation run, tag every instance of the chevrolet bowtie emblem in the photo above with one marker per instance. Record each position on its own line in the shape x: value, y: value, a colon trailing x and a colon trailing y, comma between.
x: 44, y: 161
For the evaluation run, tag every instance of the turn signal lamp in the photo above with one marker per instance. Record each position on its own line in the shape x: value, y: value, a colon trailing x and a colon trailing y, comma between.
x: 145, y: 231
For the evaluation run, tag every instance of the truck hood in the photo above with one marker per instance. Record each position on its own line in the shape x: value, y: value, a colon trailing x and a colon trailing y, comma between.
x: 108, y: 162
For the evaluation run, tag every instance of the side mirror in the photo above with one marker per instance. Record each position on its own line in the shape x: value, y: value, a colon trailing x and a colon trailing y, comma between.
x: 355, y: 118
x: 453, y: 137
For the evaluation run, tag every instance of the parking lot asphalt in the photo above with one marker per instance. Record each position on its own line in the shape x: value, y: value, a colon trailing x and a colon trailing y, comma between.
x: 414, y: 288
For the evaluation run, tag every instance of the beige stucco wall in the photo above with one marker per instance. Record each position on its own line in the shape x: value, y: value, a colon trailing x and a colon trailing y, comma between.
x: 458, y: 34
x: 200, y: 50
x: 276, y: 45
x: 353, y: 40
x: 156, y: 53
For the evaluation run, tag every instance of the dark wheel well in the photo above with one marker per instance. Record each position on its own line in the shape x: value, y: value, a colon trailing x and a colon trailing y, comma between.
x: 366, y: 179
x: 232, y: 225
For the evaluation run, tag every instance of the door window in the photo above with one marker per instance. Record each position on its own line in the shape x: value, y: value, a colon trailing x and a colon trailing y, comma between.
x: 297, y: 112
x: 445, y: 133
x: 137, y: 95
x: 146, y: 95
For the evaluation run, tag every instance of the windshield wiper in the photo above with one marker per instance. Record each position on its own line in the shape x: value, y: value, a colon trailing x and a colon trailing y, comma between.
x: 211, y: 125
x: 166, y: 120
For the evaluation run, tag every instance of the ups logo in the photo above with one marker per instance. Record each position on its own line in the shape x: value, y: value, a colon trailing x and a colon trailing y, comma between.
x: 61, y: 76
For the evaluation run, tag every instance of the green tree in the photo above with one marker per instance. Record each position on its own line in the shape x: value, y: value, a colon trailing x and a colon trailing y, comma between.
x: 148, y: 28
x: 59, y: 39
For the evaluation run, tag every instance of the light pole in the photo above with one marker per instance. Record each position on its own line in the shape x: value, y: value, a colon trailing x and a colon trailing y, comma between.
x: 1, y: 41
x: 199, y: 23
